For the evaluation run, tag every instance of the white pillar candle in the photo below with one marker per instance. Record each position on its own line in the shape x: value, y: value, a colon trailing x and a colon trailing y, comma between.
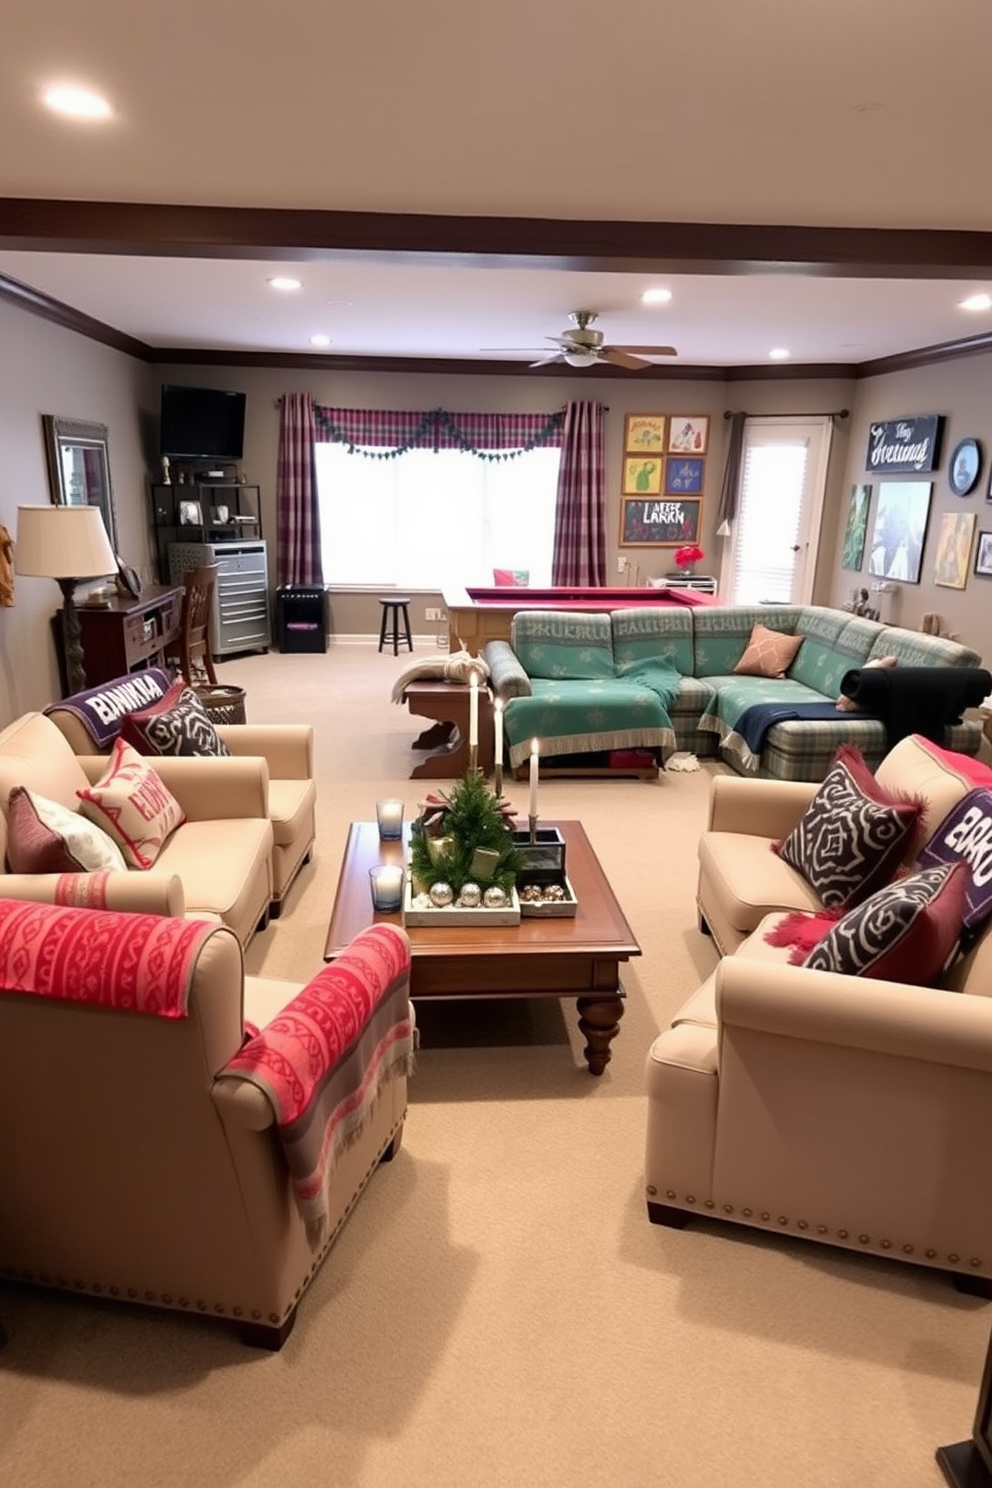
x: 498, y: 732
x: 473, y: 713
x: 533, y: 777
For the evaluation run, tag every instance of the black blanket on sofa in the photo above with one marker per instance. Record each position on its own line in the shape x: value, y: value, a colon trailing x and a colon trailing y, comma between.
x: 916, y: 700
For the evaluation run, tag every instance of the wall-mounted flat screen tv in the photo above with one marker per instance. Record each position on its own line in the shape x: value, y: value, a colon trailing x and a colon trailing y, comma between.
x: 202, y: 423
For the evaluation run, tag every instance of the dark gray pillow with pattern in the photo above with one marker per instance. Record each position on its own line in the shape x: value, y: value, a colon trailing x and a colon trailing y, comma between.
x: 177, y: 724
x: 506, y: 672
x: 852, y: 835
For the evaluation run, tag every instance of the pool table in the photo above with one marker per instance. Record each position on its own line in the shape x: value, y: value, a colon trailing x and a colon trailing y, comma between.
x: 476, y: 616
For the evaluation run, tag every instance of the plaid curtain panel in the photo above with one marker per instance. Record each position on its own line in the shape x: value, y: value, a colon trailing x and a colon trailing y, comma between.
x: 297, y: 513
x: 580, y: 518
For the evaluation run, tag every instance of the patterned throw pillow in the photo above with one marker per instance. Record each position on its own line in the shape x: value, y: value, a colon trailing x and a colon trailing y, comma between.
x: 852, y: 834
x: 133, y: 805
x: 177, y: 723
x: 768, y: 653
x: 44, y: 837
x: 906, y: 932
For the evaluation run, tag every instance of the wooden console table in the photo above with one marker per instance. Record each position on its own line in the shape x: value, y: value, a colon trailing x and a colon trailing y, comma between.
x: 448, y: 702
x: 125, y: 634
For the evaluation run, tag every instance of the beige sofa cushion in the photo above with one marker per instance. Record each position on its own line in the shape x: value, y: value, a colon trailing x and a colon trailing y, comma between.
x: 750, y: 880
x: 35, y: 754
x: 222, y: 870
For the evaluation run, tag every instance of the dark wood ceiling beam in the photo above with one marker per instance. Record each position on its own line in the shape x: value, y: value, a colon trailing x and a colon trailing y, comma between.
x: 155, y: 229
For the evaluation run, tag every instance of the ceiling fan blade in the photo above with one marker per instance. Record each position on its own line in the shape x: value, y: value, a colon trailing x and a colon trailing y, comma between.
x: 556, y: 356
x: 648, y: 350
x: 618, y: 358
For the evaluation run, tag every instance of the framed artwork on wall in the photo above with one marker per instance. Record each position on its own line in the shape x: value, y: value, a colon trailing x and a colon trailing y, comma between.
x: 954, y: 539
x: 644, y: 433
x: 659, y: 524
x: 856, y: 528
x: 900, y: 529
x: 965, y: 466
x: 688, y: 434
x: 983, y: 555
x: 684, y: 475
x: 642, y: 476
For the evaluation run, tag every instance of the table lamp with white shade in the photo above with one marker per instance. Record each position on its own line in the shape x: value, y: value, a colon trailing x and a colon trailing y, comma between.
x: 67, y: 544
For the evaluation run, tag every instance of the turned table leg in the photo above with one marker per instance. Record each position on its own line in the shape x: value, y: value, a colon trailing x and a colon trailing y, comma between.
x: 599, y: 1022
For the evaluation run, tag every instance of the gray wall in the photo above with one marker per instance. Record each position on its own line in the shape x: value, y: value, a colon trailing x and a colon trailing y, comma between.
x: 45, y: 369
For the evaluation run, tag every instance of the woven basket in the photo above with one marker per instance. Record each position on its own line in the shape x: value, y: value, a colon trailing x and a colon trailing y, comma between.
x: 223, y: 704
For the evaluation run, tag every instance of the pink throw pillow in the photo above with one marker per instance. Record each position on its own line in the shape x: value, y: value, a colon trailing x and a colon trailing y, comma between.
x: 768, y: 653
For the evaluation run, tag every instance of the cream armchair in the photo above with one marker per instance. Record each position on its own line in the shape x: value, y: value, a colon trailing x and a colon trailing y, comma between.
x: 149, y: 1164
x: 849, y: 1110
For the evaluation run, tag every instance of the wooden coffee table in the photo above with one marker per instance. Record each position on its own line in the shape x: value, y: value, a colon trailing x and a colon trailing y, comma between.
x: 561, y: 958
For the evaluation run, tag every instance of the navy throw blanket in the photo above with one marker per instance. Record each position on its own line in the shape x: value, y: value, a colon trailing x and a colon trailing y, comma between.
x: 755, y: 721
x: 917, y: 700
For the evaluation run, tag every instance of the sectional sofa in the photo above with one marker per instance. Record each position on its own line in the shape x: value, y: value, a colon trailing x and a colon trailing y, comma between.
x: 663, y: 680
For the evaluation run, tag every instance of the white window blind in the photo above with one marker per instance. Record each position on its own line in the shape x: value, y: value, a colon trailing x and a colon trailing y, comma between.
x: 430, y: 521
x: 783, y: 478
x: 768, y: 522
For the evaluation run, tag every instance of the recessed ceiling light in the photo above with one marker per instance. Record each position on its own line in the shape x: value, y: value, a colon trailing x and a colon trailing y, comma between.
x: 656, y: 296
x: 779, y: 354
x: 282, y: 281
x: 320, y: 340
x: 77, y: 103
x: 977, y: 302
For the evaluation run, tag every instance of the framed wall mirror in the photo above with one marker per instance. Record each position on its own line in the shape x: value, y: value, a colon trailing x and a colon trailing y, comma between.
x: 79, y: 467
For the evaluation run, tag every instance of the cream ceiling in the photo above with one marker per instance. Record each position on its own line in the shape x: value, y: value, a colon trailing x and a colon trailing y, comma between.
x: 754, y: 112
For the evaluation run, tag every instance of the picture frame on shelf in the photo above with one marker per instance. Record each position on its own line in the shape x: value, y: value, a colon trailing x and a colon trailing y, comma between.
x: 684, y: 475
x: 688, y: 434
x: 642, y: 476
x: 856, y: 528
x: 128, y: 582
x: 644, y: 433
x: 965, y: 467
x: 902, y: 511
x: 190, y: 514
x: 983, y: 555
x: 665, y: 523
x: 953, y: 558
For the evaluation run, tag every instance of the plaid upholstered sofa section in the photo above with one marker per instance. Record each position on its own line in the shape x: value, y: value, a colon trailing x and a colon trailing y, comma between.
x: 705, y: 644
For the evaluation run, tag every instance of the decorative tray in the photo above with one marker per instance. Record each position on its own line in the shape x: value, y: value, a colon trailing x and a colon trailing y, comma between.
x: 425, y: 914
x: 547, y: 908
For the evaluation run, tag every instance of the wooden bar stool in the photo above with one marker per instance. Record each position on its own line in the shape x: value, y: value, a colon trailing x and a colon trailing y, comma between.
x: 389, y: 630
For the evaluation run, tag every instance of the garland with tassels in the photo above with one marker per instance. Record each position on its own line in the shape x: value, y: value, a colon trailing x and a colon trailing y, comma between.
x: 425, y: 435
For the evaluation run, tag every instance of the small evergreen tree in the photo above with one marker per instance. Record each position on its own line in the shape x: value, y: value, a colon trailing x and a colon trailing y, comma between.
x: 471, y: 820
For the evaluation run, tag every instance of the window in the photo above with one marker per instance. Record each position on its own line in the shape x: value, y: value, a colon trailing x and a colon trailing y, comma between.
x: 429, y: 521
x: 783, y: 476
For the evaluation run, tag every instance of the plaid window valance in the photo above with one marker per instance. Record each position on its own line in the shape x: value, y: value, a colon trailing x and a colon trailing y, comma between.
x: 383, y: 434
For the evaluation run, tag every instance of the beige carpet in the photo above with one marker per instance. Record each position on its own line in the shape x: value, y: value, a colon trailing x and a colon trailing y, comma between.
x: 498, y: 1310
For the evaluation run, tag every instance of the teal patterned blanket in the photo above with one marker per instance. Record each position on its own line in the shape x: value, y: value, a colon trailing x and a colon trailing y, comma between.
x: 578, y: 716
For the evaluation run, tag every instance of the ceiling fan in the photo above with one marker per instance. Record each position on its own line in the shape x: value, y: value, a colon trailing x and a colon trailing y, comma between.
x: 583, y: 347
